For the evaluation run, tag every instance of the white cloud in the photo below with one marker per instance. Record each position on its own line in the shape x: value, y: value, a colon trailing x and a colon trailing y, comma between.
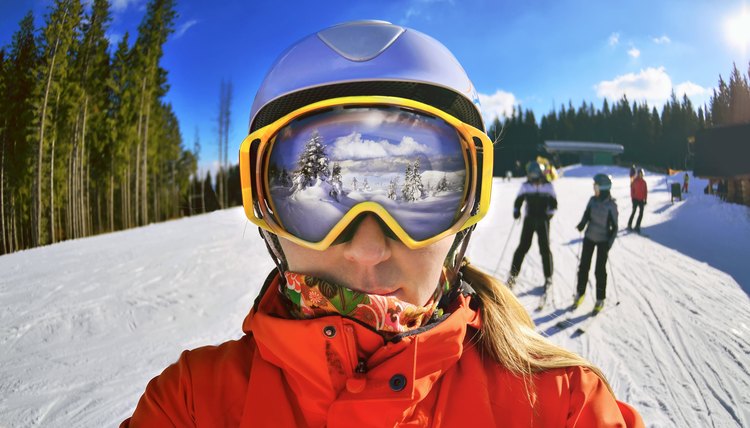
x: 663, y: 40
x: 500, y: 105
x: 120, y: 5
x: 634, y: 52
x: 184, y: 27
x: 353, y: 146
x: 614, y: 39
x: 691, y: 90
x: 652, y: 85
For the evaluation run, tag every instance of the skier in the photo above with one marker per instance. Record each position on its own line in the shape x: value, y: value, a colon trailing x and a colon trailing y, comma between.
x: 601, y: 218
x: 632, y: 172
x: 541, y: 204
x: 369, y: 318
x: 638, y: 195
x: 685, y: 181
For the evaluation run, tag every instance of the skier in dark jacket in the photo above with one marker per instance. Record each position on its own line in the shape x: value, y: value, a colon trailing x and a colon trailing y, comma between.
x: 541, y: 203
x: 601, y: 217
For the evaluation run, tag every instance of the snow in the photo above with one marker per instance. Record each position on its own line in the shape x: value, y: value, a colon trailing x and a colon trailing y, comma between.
x: 86, y: 324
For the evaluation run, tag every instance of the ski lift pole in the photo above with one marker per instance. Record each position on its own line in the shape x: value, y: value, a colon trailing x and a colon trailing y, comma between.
x: 502, y: 253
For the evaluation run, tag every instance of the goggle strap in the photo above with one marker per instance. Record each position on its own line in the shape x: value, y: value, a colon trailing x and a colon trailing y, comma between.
x: 274, y: 249
x: 456, y: 255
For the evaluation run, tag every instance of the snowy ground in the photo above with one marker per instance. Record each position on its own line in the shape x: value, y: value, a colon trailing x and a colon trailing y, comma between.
x: 85, y: 324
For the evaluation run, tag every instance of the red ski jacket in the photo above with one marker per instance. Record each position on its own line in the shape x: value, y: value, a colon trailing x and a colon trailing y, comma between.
x: 638, y: 189
x: 303, y: 373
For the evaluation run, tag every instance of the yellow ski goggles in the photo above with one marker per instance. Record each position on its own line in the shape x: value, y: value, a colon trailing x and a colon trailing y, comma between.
x: 307, y: 176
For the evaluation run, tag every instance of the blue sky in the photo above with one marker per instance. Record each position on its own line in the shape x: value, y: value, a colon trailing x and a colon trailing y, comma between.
x: 537, y: 54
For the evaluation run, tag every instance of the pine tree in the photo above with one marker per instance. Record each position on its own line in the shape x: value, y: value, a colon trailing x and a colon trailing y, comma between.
x: 58, y: 36
x: 312, y: 163
x: 442, y: 185
x: 417, y: 185
x: 18, y: 114
x: 407, y: 190
x: 337, y: 185
x: 392, y: 189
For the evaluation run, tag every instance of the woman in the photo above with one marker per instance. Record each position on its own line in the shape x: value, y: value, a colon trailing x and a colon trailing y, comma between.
x: 601, y: 217
x: 366, y: 170
x: 638, y: 195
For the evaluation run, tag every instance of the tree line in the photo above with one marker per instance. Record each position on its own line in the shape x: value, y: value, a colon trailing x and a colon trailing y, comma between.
x: 88, y: 143
x: 649, y: 137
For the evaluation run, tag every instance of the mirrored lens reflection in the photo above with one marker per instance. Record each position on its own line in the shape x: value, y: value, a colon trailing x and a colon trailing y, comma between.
x: 409, y: 162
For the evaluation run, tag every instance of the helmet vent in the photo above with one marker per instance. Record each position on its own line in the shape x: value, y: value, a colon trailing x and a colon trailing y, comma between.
x: 362, y: 40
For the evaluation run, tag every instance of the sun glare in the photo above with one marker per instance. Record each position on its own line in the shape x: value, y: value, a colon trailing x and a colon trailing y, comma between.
x: 738, y: 30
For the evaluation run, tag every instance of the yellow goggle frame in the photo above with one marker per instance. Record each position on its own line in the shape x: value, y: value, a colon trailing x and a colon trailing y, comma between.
x: 254, y: 155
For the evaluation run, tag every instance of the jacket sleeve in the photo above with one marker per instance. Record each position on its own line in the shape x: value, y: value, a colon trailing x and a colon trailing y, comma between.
x: 612, y: 225
x: 552, y: 204
x: 167, y: 400
x: 586, y: 216
x: 519, y: 199
x: 593, y: 405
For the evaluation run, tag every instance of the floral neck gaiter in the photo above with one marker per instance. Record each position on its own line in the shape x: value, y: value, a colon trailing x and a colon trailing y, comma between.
x: 310, y: 297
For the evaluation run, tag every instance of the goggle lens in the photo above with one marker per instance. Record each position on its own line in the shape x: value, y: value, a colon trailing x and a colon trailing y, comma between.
x: 322, y: 165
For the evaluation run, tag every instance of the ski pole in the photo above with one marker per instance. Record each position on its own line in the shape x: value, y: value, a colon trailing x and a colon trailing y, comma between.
x: 502, y: 253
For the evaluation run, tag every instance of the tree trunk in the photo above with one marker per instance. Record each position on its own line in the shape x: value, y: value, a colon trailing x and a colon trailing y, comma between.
x: 2, y: 201
x: 88, y: 212
x: 52, y: 191
x: 82, y: 191
x: 203, y: 196
x: 111, y: 201
x: 138, y: 220
x: 52, y: 179
x: 14, y: 238
x: 144, y: 190
x: 37, y: 236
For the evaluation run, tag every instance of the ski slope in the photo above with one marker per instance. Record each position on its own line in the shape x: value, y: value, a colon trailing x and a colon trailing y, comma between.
x: 85, y: 324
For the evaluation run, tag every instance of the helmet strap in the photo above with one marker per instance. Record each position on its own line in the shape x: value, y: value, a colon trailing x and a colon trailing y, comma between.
x: 274, y: 249
x: 455, y: 260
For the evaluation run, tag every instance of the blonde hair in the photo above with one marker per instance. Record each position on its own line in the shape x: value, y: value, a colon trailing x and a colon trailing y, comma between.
x: 508, y: 334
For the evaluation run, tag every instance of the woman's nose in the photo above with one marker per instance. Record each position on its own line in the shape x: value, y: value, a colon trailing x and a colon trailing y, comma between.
x: 369, y: 245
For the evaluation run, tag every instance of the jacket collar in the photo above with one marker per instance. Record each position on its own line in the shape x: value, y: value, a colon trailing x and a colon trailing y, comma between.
x: 319, y: 357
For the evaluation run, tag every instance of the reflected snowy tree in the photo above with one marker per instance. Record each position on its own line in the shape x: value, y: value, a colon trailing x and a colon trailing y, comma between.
x: 392, y: 189
x: 442, y: 185
x: 413, y: 188
x: 337, y: 186
x: 312, y: 164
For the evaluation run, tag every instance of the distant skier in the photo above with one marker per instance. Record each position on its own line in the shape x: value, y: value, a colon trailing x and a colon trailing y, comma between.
x: 541, y: 203
x: 638, y: 194
x: 685, y: 181
x: 632, y: 173
x: 508, y: 175
x: 601, y: 217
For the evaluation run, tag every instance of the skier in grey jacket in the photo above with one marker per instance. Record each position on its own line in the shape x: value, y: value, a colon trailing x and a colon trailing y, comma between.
x: 601, y: 217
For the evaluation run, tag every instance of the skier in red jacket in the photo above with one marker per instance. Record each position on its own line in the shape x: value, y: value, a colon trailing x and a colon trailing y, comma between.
x: 638, y: 194
x: 373, y: 317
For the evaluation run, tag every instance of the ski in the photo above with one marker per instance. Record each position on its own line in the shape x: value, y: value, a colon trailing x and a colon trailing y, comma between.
x: 587, y: 324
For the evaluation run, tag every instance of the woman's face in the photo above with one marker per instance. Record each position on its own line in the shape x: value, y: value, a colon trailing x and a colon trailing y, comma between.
x: 373, y: 263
